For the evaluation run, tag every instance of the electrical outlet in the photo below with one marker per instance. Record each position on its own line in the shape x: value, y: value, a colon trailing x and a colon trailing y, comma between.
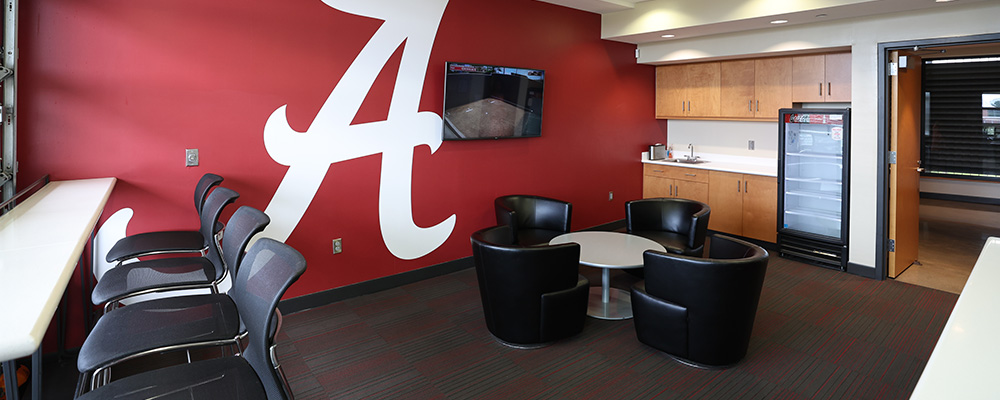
x: 750, y: 145
x: 337, y: 246
x: 611, y: 195
x: 190, y: 157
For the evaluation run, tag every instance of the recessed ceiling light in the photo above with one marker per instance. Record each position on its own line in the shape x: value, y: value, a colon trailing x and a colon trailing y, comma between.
x: 779, y: 21
x: 667, y: 36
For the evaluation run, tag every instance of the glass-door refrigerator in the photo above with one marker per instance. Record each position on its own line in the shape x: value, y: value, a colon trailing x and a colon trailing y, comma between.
x: 812, y: 178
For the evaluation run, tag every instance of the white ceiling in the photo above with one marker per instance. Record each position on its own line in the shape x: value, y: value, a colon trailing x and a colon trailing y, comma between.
x: 645, y: 21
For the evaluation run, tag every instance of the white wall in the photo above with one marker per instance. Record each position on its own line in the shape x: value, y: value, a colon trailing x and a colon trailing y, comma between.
x: 724, y: 137
x: 863, y: 36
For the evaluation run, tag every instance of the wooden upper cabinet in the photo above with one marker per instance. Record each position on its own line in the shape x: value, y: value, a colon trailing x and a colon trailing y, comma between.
x: 821, y: 78
x: 838, y: 77
x: 703, y: 94
x: 737, y: 88
x: 687, y: 90
x: 756, y: 89
x: 772, y: 86
x: 670, y: 91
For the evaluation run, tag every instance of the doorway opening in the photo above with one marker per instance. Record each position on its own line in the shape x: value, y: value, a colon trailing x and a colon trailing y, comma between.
x: 932, y: 232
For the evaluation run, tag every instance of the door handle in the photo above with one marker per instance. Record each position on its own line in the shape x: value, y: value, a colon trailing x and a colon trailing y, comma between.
x: 920, y: 169
x: 829, y: 90
x: 821, y: 88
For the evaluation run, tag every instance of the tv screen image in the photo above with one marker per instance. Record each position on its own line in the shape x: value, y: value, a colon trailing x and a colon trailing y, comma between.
x: 492, y: 102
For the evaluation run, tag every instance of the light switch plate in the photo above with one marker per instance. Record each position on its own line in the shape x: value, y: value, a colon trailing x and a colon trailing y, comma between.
x: 190, y: 157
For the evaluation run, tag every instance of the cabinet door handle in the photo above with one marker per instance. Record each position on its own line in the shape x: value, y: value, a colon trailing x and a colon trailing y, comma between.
x: 683, y: 107
x: 677, y: 192
x: 758, y: 105
x: 738, y: 186
x: 750, y: 105
x: 821, y: 88
x: 689, y: 105
x: 657, y: 170
x: 829, y: 89
x: 690, y: 174
x: 671, y: 190
x: 746, y: 187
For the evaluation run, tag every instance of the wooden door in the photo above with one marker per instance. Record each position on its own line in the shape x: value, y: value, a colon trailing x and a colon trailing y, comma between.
x: 737, y: 88
x: 773, y: 86
x: 725, y: 198
x: 703, y: 89
x: 760, y: 207
x: 838, y: 77
x: 670, y: 91
x: 904, y: 178
x: 808, y: 78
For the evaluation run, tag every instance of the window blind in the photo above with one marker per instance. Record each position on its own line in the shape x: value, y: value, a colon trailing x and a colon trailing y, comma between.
x: 961, y: 137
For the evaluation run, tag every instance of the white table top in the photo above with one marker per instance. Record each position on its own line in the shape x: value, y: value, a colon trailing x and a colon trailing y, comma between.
x: 962, y: 365
x: 40, y: 243
x: 609, y: 249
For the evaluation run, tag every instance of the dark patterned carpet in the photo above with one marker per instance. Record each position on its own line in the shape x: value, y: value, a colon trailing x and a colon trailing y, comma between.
x: 818, y: 334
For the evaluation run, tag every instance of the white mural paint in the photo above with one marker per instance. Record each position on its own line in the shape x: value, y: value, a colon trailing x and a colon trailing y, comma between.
x: 331, y: 138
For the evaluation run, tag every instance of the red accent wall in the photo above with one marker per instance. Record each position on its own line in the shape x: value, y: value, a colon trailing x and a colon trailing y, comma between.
x: 121, y: 87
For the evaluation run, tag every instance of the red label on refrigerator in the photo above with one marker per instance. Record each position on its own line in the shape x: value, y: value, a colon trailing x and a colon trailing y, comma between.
x: 818, y: 119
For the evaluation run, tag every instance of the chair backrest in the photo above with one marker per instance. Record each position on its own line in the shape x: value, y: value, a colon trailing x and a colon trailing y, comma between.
x: 205, y: 184
x: 267, y: 271
x: 682, y: 216
x: 243, y: 225
x: 512, y: 278
x: 721, y: 294
x: 214, y: 204
x: 533, y: 212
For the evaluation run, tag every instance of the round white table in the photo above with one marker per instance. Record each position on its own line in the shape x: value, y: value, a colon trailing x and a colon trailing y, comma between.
x: 607, y: 251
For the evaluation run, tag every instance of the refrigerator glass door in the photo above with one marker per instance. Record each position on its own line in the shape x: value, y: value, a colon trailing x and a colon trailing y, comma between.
x: 814, y: 170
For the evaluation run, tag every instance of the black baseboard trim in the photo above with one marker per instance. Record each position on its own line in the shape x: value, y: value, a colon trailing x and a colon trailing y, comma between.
x: 862, y: 270
x: 325, y: 297
x: 960, y: 198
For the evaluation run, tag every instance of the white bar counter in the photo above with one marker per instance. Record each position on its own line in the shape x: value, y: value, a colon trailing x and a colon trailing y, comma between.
x: 41, y: 240
x: 963, y: 364
x: 724, y: 162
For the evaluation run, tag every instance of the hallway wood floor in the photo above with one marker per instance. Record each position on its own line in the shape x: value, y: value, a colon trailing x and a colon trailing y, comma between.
x: 952, y: 234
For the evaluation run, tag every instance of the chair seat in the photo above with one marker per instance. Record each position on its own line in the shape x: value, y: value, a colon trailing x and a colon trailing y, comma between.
x: 532, y: 237
x: 160, y: 242
x: 129, y: 279
x: 673, y: 242
x: 137, y: 328
x: 216, y: 379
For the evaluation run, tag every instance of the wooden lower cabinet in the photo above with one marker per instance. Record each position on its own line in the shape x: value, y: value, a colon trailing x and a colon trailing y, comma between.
x: 680, y: 182
x: 743, y: 204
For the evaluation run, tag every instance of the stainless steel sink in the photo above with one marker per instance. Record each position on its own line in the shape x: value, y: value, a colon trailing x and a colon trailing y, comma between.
x: 686, y: 160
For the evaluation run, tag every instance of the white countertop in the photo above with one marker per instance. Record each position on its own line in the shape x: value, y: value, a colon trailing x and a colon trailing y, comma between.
x: 727, y: 163
x: 40, y: 243
x: 962, y: 365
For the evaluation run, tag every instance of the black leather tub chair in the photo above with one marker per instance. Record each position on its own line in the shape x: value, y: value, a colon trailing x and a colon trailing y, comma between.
x: 532, y: 295
x: 534, y: 219
x: 701, y: 311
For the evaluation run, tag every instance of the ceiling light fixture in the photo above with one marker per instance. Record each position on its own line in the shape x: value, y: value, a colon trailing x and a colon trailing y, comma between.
x: 667, y: 36
x: 779, y: 21
x: 943, y: 1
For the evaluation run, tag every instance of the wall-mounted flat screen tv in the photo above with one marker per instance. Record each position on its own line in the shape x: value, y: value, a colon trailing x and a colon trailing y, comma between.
x: 492, y: 102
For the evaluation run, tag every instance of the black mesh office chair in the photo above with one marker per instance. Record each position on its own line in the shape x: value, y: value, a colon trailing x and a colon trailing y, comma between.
x: 265, y: 274
x: 161, y: 242
x: 180, y: 273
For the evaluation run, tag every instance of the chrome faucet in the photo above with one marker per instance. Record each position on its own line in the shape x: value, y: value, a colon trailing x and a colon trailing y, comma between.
x: 691, y: 157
